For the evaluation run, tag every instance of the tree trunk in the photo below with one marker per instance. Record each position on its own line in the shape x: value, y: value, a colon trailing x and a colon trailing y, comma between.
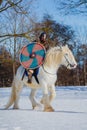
x: 14, y: 61
x: 85, y: 74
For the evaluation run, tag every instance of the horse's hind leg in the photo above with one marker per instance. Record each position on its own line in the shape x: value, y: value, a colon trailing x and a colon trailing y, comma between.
x: 33, y: 100
x: 12, y: 96
x: 17, y: 95
x: 16, y: 89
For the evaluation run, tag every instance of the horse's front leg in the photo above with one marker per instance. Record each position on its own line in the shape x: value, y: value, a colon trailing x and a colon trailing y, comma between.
x: 33, y: 100
x: 52, y: 93
x: 45, y: 100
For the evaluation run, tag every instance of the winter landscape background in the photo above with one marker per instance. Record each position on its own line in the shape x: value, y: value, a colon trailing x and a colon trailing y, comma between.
x: 21, y: 21
x: 70, y: 113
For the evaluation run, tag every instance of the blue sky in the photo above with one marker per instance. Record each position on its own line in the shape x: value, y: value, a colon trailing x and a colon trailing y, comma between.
x: 49, y: 6
x: 77, y: 22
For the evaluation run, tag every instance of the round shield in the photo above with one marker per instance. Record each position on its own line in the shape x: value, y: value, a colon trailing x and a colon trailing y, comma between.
x: 32, y: 55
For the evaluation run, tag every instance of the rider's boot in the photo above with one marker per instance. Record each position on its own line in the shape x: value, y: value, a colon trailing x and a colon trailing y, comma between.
x: 30, y: 73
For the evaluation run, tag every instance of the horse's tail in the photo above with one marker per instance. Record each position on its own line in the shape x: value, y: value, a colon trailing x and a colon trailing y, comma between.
x: 13, y: 95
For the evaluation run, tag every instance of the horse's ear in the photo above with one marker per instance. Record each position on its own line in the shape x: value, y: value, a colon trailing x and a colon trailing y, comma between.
x: 60, y: 47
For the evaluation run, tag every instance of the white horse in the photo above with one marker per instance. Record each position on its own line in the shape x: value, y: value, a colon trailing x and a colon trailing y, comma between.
x: 47, y: 77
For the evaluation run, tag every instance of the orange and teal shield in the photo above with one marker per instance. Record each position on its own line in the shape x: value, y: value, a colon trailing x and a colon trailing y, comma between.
x: 32, y: 55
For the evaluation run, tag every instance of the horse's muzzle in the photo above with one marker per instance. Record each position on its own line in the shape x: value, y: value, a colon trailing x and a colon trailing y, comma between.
x: 73, y: 66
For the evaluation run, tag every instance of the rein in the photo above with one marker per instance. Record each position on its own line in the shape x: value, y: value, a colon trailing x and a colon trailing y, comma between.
x: 47, y: 71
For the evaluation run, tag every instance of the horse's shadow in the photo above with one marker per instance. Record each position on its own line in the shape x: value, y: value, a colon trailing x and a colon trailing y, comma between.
x: 56, y: 111
x: 71, y: 112
x: 11, y: 109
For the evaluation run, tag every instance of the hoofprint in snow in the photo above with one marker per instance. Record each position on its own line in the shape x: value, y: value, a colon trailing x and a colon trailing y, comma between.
x: 70, y: 111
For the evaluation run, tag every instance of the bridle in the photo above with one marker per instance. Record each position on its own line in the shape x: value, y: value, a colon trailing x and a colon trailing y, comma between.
x: 69, y: 64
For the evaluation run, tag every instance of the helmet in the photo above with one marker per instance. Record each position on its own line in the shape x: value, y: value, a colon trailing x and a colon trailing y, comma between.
x: 42, y: 34
x: 42, y: 37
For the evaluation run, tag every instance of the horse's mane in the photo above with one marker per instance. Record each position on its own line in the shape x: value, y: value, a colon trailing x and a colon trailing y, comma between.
x: 53, y: 50
x: 52, y: 54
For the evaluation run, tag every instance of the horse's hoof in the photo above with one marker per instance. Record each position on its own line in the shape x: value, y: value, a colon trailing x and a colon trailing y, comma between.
x: 38, y: 106
x: 49, y: 109
x: 15, y: 107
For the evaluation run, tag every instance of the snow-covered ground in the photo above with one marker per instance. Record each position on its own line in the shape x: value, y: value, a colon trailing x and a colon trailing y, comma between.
x: 70, y: 113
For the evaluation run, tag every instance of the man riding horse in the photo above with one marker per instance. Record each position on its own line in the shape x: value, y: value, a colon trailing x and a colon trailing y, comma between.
x: 34, y: 72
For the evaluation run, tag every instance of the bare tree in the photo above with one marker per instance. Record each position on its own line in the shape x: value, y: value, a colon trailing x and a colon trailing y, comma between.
x: 82, y: 54
x: 16, y: 27
x: 72, y: 6
x: 6, y: 23
x: 7, y: 4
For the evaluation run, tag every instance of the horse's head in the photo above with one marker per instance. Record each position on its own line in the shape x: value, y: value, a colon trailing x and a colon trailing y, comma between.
x: 68, y: 59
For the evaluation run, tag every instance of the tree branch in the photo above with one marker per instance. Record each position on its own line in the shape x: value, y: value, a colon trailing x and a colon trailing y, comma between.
x: 72, y: 6
x: 9, y: 4
x: 15, y: 35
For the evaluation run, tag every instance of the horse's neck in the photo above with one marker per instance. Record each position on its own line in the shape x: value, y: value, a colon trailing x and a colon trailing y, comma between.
x: 50, y: 69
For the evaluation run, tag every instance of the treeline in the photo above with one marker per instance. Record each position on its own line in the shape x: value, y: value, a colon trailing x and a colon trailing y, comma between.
x: 19, y: 26
x: 65, y: 77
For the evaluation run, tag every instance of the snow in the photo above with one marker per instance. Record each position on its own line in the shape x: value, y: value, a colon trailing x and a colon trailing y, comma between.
x: 70, y: 113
